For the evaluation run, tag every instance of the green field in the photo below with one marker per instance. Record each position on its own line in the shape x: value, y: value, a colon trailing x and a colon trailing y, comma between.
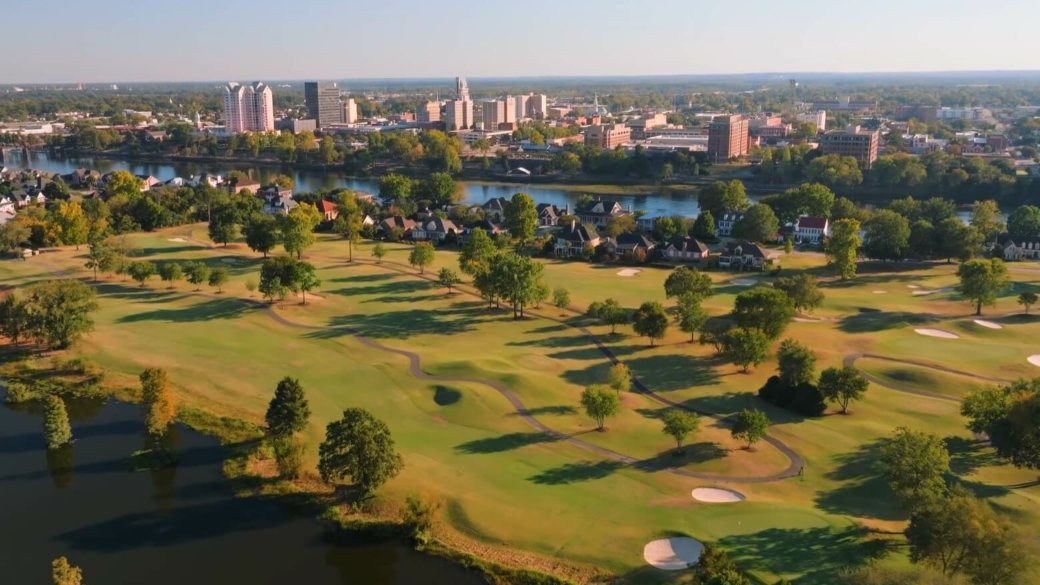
x: 504, y: 484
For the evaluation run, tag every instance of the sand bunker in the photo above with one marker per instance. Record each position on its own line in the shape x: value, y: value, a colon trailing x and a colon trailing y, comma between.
x: 744, y: 282
x: 912, y: 286
x: 229, y: 260
x: 1034, y: 359
x: 717, y: 496
x: 673, y: 554
x: 932, y: 292
x: 178, y: 240
x: 881, y: 292
x: 988, y: 324
x: 936, y: 333
x: 629, y: 272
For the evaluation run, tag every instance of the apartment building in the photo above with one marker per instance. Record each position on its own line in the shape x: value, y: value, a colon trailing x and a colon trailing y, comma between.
x: 248, y: 108
x: 727, y: 137
x: 493, y: 113
x: 927, y: 114
x: 458, y: 115
x: 607, y: 135
x: 428, y: 112
x: 323, y: 105
x: 847, y: 104
x: 350, y: 112
x: 854, y: 141
x: 520, y: 107
x: 537, y: 106
x: 818, y: 117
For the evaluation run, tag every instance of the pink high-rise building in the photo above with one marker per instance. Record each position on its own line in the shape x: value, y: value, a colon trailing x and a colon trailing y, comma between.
x: 248, y: 108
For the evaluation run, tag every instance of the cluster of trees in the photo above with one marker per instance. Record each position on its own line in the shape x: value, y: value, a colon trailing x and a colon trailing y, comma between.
x: 796, y: 387
x: 282, y: 275
x: 502, y: 275
x: 53, y: 314
x: 409, y: 194
x: 1010, y: 416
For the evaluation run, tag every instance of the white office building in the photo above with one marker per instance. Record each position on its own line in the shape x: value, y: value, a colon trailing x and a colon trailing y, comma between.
x: 818, y: 117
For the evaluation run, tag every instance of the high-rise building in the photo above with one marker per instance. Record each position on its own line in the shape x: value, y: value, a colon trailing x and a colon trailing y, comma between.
x: 248, y: 108
x: 461, y: 89
x: 458, y: 115
x: 537, y: 106
x: 510, y: 113
x: 492, y: 113
x: 521, y: 107
x: 727, y: 137
x: 854, y: 141
x: 322, y: 98
x: 350, y: 115
x: 428, y: 112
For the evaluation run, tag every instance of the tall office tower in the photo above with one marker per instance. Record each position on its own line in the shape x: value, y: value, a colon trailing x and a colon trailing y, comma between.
x: 350, y: 115
x: 458, y: 115
x: 248, y: 108
x: 492, y: 113
x: 521, y: 107
x: 510, y: 103
x: 728, y: 137
x: 323, y: 106
x: 461, y: 89
x: 428, y: 112
x: 537, y: 105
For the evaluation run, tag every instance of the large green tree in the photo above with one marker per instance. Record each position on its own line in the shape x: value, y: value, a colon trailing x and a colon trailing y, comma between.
x: 916, y: 464
x: 57, y: 313
x: 803, y: 291
x: 288, y: 411
x: 723, y: 197
x: 982, y: 281
x: 690, y: 315
x: 600, y: 404
x: 477, y: 253
x: 261, y: 232
x: 680, y: 424
x: 1010, y: 416
x: 297, y: 229
x: 521, y: 217
x: 359, y: 446
x: 745, y: 347
x: 750, y: 426
x: 843, y: 385
x: 887, y: 236
x: 421, y: 256
x: 1024, y: 222
x: 57, y: 431
x: 796, y: 364
x: 157, y: 401
x: 759, y: 224
x: 650, y: 320
x: 843, y: 248
x: 766, y: 309
x: 688, y: 281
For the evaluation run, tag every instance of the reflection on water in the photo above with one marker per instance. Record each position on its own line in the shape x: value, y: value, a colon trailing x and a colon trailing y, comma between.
x: 165, y: 527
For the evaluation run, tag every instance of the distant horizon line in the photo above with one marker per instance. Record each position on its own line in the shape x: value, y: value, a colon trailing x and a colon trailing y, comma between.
x: 673, y: 76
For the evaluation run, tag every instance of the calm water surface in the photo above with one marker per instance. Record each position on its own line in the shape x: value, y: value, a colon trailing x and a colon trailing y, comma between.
x: 171, y: 527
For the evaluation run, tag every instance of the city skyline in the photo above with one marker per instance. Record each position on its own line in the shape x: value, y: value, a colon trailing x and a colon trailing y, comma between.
x: 673, y: 40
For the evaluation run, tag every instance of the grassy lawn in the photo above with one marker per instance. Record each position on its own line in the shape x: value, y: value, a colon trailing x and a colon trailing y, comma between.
x: 503, y: 483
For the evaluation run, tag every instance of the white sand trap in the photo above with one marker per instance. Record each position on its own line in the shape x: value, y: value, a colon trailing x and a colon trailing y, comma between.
x: 717, y: 496
x: 629, y: 272
x: 744, y: 282
x: 921, y: 293
x: 673, y: 554
x: 988, y: 324
x: 178, y: 240
x: 881, y: 292
x: 229, y: 260
x: 912, y: 286
x: 936, y: 333
x: 1034, y: 359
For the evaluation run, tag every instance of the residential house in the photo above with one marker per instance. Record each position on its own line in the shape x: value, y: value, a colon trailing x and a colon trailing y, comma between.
x: 1022, y: 250
x: 7, y: 204
x: 274, y: 190
x: 495, y: 209
x: 6, y: 215
x: 81, y: 178
x: 435, y: 229
x: 597, y: 213
x: 724, y: 224
x: 276, y: 205
x: 549, y: 215
x: 745, y: 256
x: 176, y: 182
x: 23, y: 198
x: 238, y: 185
x: 205, y: 179
x: 148, y: 182
x: 812, y: 230
x: 574, y: 238
x: 388, y: 225
x: 629, y: 245
x: 327, y: 209
x: 685, y: 249
x: 489, y: 228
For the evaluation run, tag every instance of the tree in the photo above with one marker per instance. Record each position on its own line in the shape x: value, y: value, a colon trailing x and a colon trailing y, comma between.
x: 12, y: 235
x: 123, y: 183
x: 379, y: 252
x: 745, y: 347
x: 723, y: 197
x: 704, y: 227
x: 421, y: 256
x: 1010, y: 416
x: 223, y: 224
x: 1027, y: 299
x: 620, y: 378
x: 141, y: 271
x: 100, y: 257
x: 170, y: 272
x: 261, y: 232
x: 521, y: 217
x: 288, y: 411
x: 303, y: 279
x: 986, y: 217
x: 297, y: 229
x: 651, y: 321
x: 418, y: 517
x: 14, y: 317
x: 843, y: 248
x: 63, y: 573
x: 448, y: 278
x: 477, y: 253
x: 73, y: 225
x: 843, y: 385
x: 688, y: 281
x: 953, y: 239
x: 887, y: 236
x: 1024, y: 222
x: 57, y: 431
x: 750, y: 426
x: 157, y: 401
x: 788, y: 245
x: 759, y: 224
x: 289, y: 455
x: 690, y: 315
x: 250, y: 286
x: 766, y: 309
x: 197, y: 273
x: 916, y: 464
x: 610, y: 312
x: 796, y: 364
x: 715, y: 568
x: 680, y: 424
x: 360, y: 446
x: 561, y: 298
x: 982, y: 281
x: 803, y: 291
x: 834, y: 170
x: 600, y: 404
x: 394, y: 189
x: 218, y: 277
x: 57, y: 313
x: 713, y: 333
x: 516, y: 279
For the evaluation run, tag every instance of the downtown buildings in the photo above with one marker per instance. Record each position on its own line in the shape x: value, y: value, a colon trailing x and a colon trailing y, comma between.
x: 323, y: 105
x: 248, y: 108
x: 728, y: 137
x: 855, y: 141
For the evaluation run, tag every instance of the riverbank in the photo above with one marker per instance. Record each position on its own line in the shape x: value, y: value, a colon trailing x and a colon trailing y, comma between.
x: 250, y: 472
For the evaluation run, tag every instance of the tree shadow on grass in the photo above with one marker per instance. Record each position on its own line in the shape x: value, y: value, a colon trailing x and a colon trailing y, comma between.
x: 573, y: 340
x: 398, y: 324
x: 445, y: 395
x: 815, y: 553
x: 576, y: 472
x: 165, y: 250
x: 968, y: 455
x: 130, y: 291
x: 592, y: 352
x: 694, y: 453
x: 363, y: 278
x: 872, y: 322
x: 729, y: 403
x: 865, y: 492
x: 558, y: 410
x: 205, y: 311
x: 503, y: 443
x: 659, y: 373
x: 395, y: 288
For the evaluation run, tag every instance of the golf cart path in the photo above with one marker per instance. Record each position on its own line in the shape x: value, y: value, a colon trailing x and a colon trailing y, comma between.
x: 850, y: 361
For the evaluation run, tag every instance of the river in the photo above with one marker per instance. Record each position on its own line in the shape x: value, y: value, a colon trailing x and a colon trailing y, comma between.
x: 655, y: 205
x: 170, y: 527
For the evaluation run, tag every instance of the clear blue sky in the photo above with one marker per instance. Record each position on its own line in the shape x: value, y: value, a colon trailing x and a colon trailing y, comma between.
x: 187, y: 40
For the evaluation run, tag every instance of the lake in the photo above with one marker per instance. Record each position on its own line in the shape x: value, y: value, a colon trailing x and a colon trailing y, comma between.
x: 169, y: 527
x: 655, y: 205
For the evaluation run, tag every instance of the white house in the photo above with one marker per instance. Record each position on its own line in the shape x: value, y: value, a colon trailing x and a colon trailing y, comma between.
x: 205, y: 178
x: 1022, y: 250
x: 724, y: 225
x: 812, y: 230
